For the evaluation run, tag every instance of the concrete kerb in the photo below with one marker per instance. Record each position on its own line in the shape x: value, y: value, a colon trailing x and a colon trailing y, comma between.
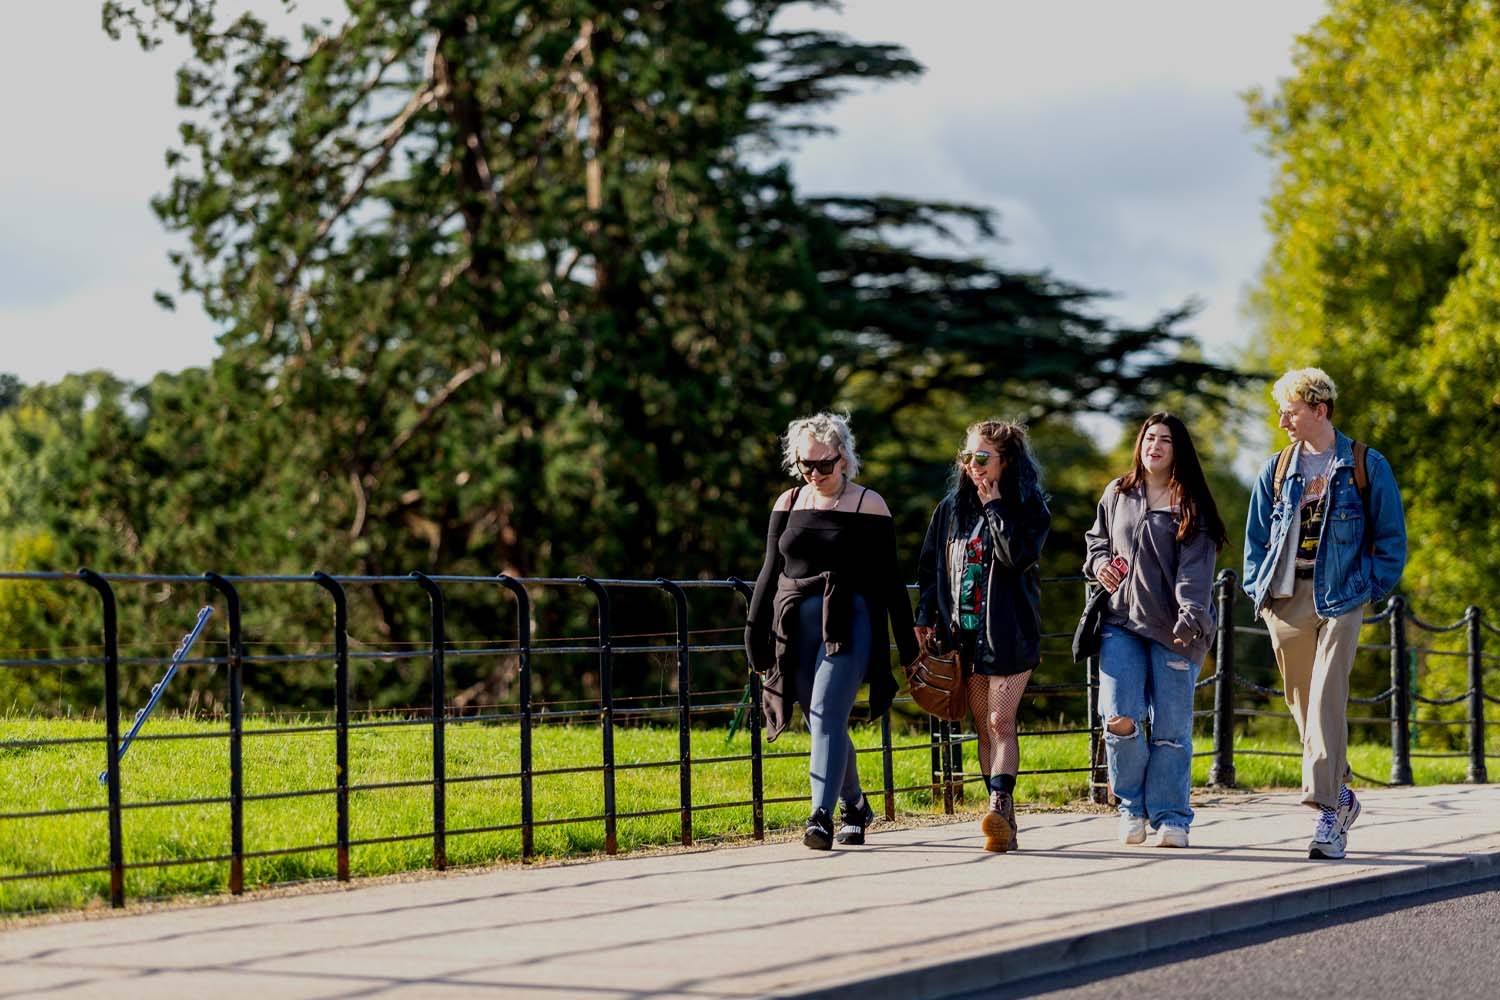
x: 975, y: 973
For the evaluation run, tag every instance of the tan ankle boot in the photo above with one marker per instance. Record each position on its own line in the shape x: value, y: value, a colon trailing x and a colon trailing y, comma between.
x: 997, y: 829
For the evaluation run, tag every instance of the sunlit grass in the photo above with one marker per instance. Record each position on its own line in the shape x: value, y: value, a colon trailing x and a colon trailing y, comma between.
x: 160, y: 770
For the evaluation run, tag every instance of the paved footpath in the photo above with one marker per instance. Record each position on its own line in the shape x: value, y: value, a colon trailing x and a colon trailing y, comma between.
x: 916, y: 912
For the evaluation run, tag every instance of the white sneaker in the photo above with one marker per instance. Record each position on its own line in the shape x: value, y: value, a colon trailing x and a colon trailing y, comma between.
x: 1329, y: 841
x: 1171, y: 835
x: 1347, y: 814
x: 1132, y: 829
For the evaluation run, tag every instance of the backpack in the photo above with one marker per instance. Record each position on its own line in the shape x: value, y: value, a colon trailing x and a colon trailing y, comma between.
x: 1361, y: 483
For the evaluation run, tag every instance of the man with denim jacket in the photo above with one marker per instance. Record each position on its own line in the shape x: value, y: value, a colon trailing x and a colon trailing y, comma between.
x: 1315, y: 555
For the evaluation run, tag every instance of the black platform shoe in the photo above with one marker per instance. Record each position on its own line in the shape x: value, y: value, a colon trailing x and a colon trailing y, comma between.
x: 819, y: 831
x: 852, y: 823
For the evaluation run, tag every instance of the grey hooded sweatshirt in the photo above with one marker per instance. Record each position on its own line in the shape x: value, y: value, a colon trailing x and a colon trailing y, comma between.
x: 1168, y: 590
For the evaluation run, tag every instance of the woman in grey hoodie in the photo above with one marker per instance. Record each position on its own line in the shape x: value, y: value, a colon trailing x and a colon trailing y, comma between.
x: 1152, y: 547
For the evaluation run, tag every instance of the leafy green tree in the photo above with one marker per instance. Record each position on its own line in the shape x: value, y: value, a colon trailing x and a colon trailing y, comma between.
x: 1385, y: 267
x: 10, y: 390
x: 1385, y: 270
x: 527, y: 288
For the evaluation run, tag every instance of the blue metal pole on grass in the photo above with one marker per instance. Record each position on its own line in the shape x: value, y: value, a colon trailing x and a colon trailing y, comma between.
x: 160, y: 687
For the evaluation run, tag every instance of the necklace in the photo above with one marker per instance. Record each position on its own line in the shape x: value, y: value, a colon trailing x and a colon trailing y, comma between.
x: 836, y: 497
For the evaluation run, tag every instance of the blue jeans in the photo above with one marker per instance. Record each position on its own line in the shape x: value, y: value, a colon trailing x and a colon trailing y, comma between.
x: 826, y: 689
x: 1139, y: 680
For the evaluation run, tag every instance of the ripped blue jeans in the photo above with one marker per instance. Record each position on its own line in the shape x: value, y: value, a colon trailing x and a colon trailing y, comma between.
x: 1141, y: 680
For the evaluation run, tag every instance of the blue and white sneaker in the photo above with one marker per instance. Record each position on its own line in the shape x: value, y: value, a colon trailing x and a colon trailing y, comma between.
x: 1348, y: 810
x: 1328, y: 840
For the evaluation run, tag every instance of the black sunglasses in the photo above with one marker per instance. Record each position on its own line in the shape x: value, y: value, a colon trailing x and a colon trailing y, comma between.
x: 979, y: 458
x: 822, y: 466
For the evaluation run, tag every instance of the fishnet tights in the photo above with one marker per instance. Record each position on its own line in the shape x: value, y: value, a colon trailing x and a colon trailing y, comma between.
x: 993, y: 702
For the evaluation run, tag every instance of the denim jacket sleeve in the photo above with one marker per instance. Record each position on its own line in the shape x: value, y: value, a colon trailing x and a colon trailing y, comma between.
x: 1388, y: 529
x: 1258, y: 528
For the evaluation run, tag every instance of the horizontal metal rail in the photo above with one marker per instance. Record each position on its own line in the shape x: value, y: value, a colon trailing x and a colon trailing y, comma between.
x: 613, y: 712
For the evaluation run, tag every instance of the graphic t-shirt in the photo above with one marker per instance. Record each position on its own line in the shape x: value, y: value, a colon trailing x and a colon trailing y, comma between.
x: 1316, y: 471
x: 970, y: 584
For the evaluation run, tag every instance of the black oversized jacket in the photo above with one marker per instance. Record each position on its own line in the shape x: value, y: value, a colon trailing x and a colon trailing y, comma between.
x: 1010, y: 641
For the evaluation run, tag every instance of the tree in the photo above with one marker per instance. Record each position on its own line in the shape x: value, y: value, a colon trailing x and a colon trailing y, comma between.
x: 524, y: 287
x: 1385, y: 264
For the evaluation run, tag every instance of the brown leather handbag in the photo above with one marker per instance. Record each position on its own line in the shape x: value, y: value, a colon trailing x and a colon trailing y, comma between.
x: 936, y: 681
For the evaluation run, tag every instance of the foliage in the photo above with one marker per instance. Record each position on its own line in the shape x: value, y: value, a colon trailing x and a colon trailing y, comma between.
x: 528, y: 289
x: 1385, y: 266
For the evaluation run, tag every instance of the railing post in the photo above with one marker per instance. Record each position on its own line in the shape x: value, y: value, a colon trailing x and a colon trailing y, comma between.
x: 887, y: 766
x: 112, y: 732
x: 947, y: 766
x: 1478, y: 773
x: 684, y: 711
x: 1098, y: 767
x: 1221, y: 772
x: 956, y: 760
x: 340, y: 717
x: 757, y: 727
x: 236, y: 733
x: 606, y: 709
x: 937, y: 757
x: 1401, y: 696
x: 439, y: 713
x: 523, y: 683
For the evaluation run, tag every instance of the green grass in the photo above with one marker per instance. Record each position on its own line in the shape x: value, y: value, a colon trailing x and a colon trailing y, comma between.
x: 58, y: 777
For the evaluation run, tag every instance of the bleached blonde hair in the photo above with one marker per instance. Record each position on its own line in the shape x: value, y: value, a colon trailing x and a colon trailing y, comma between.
x: 1311, y: 385
x: 831, y: 429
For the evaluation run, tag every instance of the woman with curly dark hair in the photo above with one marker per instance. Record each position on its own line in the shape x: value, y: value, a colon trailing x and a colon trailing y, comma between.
x: 981, y: 595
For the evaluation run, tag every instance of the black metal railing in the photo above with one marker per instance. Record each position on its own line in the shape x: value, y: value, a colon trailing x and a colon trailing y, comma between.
x: 944, y: 742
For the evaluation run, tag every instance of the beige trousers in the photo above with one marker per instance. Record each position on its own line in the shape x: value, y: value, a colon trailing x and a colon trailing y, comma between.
x: 1315, y: 656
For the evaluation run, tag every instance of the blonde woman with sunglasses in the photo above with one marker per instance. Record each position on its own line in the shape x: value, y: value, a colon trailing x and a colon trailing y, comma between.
x: 981, y: 594
x: 817, y: 623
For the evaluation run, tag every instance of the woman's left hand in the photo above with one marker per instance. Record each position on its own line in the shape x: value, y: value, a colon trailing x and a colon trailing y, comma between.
x: 987, y: 490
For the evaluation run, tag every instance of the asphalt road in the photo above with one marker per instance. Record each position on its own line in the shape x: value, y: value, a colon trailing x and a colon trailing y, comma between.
x: 1443, y: 944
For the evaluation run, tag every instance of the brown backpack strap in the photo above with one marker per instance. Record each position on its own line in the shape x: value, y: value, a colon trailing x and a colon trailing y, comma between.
x: 1283, y: 461
x: 1362, y: 483
x: 1361, y: 472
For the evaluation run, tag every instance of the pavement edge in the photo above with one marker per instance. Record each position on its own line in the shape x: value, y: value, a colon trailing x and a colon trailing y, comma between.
x: 976, y: 973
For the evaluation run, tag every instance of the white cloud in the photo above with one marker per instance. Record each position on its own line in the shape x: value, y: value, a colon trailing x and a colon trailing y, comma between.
x: 1110, y: 137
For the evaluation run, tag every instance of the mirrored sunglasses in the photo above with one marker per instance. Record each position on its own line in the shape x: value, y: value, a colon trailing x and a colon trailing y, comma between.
x: 979, y: 458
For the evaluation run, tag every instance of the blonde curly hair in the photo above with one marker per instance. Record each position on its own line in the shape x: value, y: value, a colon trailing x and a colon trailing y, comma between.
x: 831, y: 429
x: 1311, y: 385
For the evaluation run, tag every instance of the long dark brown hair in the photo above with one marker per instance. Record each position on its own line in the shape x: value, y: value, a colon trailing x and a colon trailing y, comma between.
x: 1190, y: 493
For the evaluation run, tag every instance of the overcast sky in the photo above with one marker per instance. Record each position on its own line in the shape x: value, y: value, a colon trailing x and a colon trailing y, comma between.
x: 1109, y: 136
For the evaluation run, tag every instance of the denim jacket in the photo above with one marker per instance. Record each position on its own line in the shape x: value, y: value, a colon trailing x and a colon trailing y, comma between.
x: 1347, y: 575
